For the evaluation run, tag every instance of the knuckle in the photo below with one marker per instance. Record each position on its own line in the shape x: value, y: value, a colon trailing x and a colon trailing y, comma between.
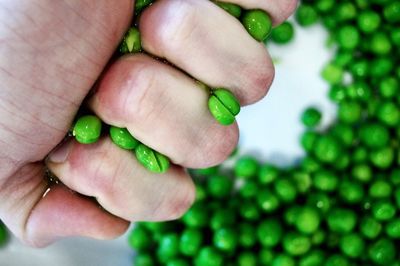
x: 175, y: 23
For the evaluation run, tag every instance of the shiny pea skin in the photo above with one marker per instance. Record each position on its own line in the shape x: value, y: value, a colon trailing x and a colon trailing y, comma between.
x: 224, y: 106
x: 258, y: 23
x: 131, y: 42
x: 87, y: 129
x: 122, y: 138
x: 152, y: 160
x: 232, y: 9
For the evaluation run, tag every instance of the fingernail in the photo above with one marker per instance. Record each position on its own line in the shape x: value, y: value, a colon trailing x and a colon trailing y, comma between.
x: 60, y: 154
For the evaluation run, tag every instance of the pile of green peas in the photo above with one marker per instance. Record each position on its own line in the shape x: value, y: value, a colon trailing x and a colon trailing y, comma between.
x: 222, y: 104
x: 340, y: 205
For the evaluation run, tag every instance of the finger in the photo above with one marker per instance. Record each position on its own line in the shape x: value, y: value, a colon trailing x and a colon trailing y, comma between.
x: 122, y: 186
x: 40, y: 215
x: 279, y: 10
x: 164, y: 109
x: 217, y: 50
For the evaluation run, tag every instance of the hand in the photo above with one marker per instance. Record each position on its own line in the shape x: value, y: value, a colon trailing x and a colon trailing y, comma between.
x: 53, y: 52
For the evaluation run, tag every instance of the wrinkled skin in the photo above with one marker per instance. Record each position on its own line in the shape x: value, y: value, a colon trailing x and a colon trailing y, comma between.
x: 51, y: 55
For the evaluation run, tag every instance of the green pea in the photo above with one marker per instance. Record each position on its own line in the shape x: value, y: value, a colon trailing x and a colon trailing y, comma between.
x: 337, y: 93
x: 225, y: 239
x: 341, y: 220
x: 374, y: 135
x: 321, y: 201
x: 360, y: 69
x: 3, y: 235
x: 344, y: 133
x: 249, y: 189
x: 352, y: 245
x: 190, y: 242
x: 140, y: 239
x: 265, y: 256
x: 310, y: 164
x: 247, y: 235
x: 337, y: 260
x: 291, y: 214
x: 393, y: 229
x: 258, y: 23
x: 168, y: 247
x: 222, y: 218
x: 269, y: 233
x: 152, y: 160
x: 87, y: 129
x: 380, y: 43
x: 268, y: 201
x: 360, y: 91
x: 333, y: 74
x: 391, y: 12
x: 350, y: 112
x: 389, y: 114
x: 246, y: 166
x: 249, y: 211
x: 144, y: 259
x: 177, y: 262
x: 232, y: 9
x: 380, y: 189
x: 382, y: 158
x: 381, y: 66
x: 370, y: 227
x: 327, y: 149
x: 283, y: 34
x: 325, y: 181
x: 318, y: 237
x: 383, y: 210
x: 302, y: 181
x: 209, y: 256
x: 196, y: 216
x: 201, y: 193
x: 247, y: 258
x: 308, y: 220
x: 142, y: 4
x: 283, y: 260
x: 368, y: 21
x: 351, y: 192
x: 389, y: 87
x: 311, y: 117
x: 382, y: 252
x: 131, y: 42
x: 219, y: 186
x: 313, y: 258
x: 306, y: 15
x: 362, y: 172
x: 224, y: 106
x: 348, y: 37
x: 122, y: 138
x: 296, y: 244
x: 308, y: 140
x: 267, y: 174
x: 346, y: 11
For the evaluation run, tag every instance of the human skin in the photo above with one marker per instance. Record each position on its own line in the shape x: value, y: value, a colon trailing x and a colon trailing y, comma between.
x: 51, y: 55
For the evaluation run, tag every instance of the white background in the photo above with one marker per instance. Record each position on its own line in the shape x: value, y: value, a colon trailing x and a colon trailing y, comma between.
x: 270, y: 129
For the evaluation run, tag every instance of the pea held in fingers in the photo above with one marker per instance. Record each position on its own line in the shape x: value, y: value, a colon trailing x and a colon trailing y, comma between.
x: 258, y: 23
x: 152, y: 160
x: 87, y: 129
x: 224, y: 106
x: 132, y: 42
x: 122, y: 138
